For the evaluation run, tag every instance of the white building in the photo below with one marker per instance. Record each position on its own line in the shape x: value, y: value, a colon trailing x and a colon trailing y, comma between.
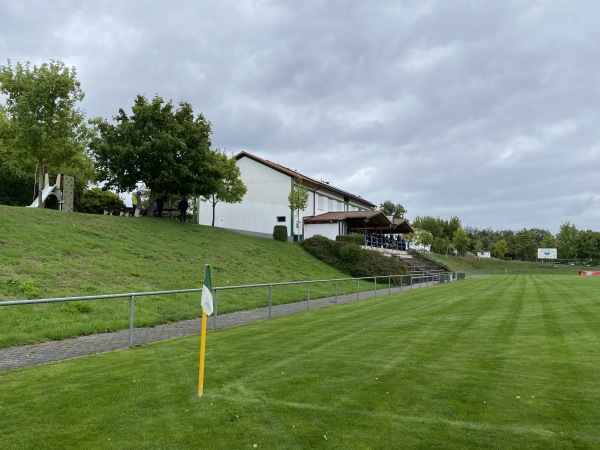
x: 266, y: 202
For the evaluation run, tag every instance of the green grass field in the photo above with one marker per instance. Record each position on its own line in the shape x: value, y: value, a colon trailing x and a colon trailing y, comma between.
x: 493, y: 362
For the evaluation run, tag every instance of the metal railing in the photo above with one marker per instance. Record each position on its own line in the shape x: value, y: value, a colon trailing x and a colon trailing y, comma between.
x: 401, y: 283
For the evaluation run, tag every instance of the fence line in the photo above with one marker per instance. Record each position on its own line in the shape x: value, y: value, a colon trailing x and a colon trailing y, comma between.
x: 428, y: 279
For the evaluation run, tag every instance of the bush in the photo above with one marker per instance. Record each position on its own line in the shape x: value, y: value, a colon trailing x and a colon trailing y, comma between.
x: 348, y: 252
x: 353, y: 260
x: 280, y: 233
x: 358, y: 239
x: 94, y: 200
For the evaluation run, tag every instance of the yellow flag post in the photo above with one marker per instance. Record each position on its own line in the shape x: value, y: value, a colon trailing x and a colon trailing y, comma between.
x: 207, y: 310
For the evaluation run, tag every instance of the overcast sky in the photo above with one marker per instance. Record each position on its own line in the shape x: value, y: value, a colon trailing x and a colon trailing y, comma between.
x: 484, y: 110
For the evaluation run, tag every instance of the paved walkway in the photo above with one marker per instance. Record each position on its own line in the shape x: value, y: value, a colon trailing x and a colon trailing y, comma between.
x: 47, y: 352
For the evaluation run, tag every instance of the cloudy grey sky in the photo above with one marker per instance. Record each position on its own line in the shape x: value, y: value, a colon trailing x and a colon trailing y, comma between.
x: 484, y: 110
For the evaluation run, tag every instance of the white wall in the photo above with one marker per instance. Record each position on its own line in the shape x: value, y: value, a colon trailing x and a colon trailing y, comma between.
x: 266, y: 199
x: 329, y: 230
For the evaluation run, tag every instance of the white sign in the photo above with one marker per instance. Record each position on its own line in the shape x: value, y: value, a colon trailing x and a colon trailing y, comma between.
x: 547, y: 253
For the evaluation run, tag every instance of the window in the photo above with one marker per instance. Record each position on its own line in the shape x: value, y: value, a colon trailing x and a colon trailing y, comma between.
x: 281, y: 219
x: 320, y: 202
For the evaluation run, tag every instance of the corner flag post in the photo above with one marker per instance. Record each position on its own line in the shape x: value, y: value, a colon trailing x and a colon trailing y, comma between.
x: 207, y: 310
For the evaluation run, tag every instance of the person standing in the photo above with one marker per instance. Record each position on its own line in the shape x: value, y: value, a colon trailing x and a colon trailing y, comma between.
x: 160, y: 203
x: 134, y: 203
x: 183, y: 206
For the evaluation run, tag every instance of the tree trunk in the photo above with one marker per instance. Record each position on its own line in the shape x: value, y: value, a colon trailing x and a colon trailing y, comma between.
x: 213, y: 210
x: 151, y: 202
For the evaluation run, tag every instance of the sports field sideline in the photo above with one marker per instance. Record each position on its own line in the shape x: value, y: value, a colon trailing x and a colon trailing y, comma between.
x: 492, y: 362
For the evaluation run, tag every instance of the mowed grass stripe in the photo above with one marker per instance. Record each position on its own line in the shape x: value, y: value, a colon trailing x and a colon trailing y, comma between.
x: 486, y: 363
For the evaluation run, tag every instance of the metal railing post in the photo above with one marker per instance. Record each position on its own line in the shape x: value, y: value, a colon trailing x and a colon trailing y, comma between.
x: 375, y: 287
x: 308, y: 296
x: 336, y: 291
x: 357, y: 288
x: 131, y: 302
x: 270, y: 299
x: 389, y: 285
x: 215, y: 304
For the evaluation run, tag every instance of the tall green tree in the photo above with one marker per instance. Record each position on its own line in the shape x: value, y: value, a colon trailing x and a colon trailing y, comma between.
x: 230, y: 187
x: 47, y: 127
x: 298, y: 199
x: 500, y: 248
x: 165, y: 147
x: 432, y: 224
x: 566, y: 240
x: 396, y: 210
x: 525, y: 244
x: 460, y: 240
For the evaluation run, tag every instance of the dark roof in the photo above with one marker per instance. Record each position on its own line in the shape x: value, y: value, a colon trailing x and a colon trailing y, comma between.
x: 306, y: 180
x: 402, y: 226
x: 370, y: 220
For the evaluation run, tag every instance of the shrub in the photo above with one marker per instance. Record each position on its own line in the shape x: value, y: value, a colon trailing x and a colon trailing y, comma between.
x: 94, y: 200
x: 348, y: 252
x: 280, y: 233
x: 353, y: 260
x: 357, y: 239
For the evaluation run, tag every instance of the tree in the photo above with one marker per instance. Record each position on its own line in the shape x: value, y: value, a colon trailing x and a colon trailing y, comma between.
x: 47, y: 128
x: 388, y: 207
x: 166, y: 148
x: 94, y: 200
x: 230, y: 188
x: 566, y: 240
x: 424, y: 238
x: 434, y: 225
x: 525, y: 244
x: 441, y: 245
x: 460, y: 240
x: 500, y: 248
x: 298, y: 198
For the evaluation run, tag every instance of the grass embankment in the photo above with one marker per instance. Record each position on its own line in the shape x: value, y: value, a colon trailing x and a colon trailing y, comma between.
x: 498, y: 266
x: 494, y: 362
x: 46, y: 253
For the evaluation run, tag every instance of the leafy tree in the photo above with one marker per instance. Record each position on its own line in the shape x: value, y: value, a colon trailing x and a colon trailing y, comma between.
x: 500, y: 248
x: 388, y: 207
x: 525, y: 244
x: 548, y: 241
x: 95, y: 200
x: 298, y: 198
x: 16, y: 176
x: 424, y: 238
x: 230, y: 188
x: 432, y: 224
x: 451, y: 226
x: 587, y: 245
x: 441, y: 245
x: 460, y: 240
x: 164, y: 147
x: 46, y: 126
x: 566, y: 240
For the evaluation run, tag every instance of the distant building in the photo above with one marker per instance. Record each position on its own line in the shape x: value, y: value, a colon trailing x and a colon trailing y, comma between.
x: 266, y: 202
x: 484, y: 254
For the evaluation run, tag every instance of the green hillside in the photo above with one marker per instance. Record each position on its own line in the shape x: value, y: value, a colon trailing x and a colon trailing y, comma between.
x: 494, y: 265
x: 47, y: 253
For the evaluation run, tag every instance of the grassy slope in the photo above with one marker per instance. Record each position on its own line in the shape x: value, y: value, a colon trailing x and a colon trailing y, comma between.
x: 45, y: 253
x: 494, y: 362
x: 493, y: 265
